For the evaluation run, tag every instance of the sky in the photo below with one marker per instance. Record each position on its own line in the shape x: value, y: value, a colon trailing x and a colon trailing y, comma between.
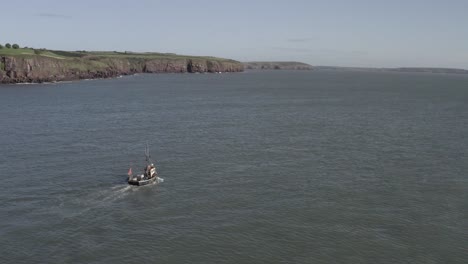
x: 359, y: 33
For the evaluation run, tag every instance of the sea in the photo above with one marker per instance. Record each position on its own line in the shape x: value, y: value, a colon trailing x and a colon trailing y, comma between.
x: 258, y: 167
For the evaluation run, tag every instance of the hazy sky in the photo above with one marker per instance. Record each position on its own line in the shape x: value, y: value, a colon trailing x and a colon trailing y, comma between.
x: 378, y: 33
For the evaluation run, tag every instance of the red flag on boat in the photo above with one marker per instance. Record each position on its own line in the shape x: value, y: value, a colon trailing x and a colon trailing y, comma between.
x: 130, y: 172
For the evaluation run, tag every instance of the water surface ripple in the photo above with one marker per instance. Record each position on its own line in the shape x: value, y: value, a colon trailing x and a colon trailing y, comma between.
x: 259, y: 167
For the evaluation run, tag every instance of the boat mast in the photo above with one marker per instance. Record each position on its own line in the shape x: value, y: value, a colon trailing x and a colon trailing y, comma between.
x: 147, y: 154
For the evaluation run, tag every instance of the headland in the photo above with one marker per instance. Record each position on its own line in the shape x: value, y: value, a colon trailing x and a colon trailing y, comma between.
x: 27, y: 65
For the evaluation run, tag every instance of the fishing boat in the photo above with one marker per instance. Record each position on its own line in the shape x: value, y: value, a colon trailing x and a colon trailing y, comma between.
x: 149, y: 175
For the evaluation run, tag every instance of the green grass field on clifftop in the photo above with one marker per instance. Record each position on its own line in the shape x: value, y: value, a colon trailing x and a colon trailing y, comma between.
x: 58, y: 54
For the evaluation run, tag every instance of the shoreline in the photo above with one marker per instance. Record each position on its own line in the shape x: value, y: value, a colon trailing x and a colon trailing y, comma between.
x: 107, y: 78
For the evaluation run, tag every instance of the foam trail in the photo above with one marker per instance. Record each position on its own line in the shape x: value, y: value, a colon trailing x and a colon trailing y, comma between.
x: 80, y: 204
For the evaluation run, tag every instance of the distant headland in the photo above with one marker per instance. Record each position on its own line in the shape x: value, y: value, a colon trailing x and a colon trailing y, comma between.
x: 276, y: 65
x: 28, y: 65
x: 401, y: 69
x: 294, y: 65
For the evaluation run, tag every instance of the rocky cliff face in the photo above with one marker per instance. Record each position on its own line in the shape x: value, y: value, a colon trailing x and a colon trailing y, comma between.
x: 47, y: 69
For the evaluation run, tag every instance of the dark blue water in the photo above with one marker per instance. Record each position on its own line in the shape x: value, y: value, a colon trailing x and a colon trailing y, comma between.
x: 259, y: 167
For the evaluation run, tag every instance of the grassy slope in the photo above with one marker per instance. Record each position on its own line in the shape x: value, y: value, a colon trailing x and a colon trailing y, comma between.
x: 111, y: 54
x: 28, y: 52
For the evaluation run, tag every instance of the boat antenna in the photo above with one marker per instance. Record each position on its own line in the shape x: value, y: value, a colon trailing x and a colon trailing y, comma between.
x: 147, y: 153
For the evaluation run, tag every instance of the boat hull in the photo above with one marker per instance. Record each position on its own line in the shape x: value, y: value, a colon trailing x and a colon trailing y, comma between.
x: 144, y: 181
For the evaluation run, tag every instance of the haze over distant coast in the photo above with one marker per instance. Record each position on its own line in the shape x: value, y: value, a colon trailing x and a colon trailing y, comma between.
x: 276, y: 65
x: 398, y: 69
x: 294, y: 65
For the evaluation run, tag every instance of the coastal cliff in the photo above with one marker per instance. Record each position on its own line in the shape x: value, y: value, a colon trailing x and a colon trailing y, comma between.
x: 62, y: 66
